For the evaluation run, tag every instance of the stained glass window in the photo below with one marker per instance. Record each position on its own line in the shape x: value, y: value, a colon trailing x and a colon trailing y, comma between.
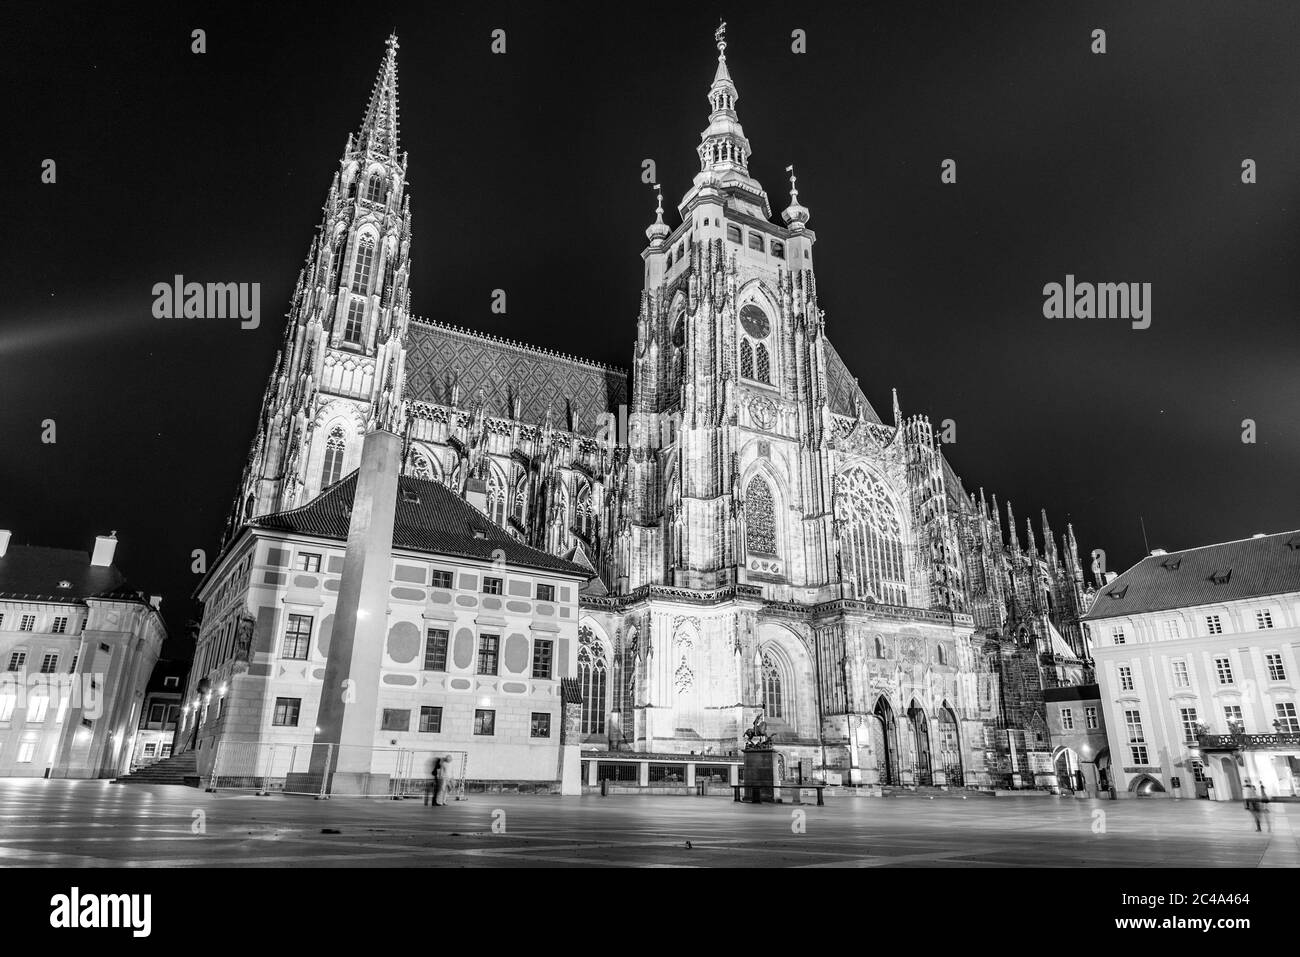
x: 334, y: 448
x: 773, y: 701
x: 592, y: 676
x: 746, y: 359
x: 760, y: 518
x: 871, y: 537
x: 762, y: 368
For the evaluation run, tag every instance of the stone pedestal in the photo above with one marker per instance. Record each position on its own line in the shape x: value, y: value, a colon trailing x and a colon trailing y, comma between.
x: 760, y: 776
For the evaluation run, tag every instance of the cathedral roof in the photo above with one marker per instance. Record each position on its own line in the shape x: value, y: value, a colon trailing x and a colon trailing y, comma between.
x: 1211, y: 574
x: 430, y: 518
x: 576, y: 391
x: 842, y: 388
x: 35, y: 573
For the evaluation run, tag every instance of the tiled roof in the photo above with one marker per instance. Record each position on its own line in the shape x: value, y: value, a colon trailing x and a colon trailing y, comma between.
x: 842, y: 388
x: 430, y: 518
x: 572, y: 390
x: 34, y: 573
x: 1249, y: 568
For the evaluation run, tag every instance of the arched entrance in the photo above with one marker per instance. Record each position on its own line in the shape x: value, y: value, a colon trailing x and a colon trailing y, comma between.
x: 883, y: 728
x: 1145, y: 785
x: 920, y: 742
x: 1104, y: 780
x: 950, y: 748
x: 1069, y: 772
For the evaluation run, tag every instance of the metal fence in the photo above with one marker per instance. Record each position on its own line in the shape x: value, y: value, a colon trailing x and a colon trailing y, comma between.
x: 331, y: 770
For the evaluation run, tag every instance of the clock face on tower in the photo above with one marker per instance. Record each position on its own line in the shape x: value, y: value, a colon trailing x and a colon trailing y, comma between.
x: 755, y: 322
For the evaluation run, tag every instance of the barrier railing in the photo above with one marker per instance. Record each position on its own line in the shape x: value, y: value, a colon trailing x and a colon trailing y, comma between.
x: 331, y: 770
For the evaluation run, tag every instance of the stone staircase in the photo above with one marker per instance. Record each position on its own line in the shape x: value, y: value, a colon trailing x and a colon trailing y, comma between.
x: 181, y: 769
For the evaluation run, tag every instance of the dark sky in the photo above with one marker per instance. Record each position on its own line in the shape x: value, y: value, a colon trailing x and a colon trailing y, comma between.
x: 525, y: 175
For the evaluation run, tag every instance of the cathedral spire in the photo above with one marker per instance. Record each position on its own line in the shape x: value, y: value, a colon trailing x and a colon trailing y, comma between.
x: 379, y: 126
x: 795, y: 215
x: 658, y: 231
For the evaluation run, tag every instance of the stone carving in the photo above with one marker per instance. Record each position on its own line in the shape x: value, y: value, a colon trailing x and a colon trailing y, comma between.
x: 757, y: 738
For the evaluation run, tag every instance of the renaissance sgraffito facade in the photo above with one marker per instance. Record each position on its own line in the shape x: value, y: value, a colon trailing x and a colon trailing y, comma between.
x: 760, y: 540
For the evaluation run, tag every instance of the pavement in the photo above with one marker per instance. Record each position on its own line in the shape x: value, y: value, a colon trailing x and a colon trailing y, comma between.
x: 101, y: 824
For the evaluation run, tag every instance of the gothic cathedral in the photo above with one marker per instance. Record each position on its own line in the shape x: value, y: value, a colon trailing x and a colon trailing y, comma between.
x: 760, y: 541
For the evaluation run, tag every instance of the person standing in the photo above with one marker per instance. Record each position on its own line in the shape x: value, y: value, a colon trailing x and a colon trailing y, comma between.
x: 1252, y: 804
x: 441, y: 775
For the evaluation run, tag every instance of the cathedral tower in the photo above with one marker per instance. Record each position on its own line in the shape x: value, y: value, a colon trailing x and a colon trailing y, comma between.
x: 340, y: 370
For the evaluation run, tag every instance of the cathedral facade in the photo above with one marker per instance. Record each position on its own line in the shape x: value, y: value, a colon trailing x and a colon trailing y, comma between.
x: 760, y: 540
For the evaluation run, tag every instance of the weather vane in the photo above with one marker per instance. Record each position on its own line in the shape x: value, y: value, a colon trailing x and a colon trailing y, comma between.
x: 720, y: 35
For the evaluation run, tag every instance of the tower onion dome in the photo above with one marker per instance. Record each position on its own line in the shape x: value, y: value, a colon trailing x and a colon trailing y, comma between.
x: 795, y: 215
x: 658, y: 231
x: 379, y: 127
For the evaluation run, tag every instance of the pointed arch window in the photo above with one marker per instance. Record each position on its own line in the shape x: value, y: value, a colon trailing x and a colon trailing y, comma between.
x: 583, y: 518
x: 871, y: 537
x: 755, y: 350
x: 335, y: 446
x: 365, y: 263
x: 420, y: 467
x: 773, y: 689
x: 519, y: 504
x: 376, y: 188
x: 356, y: 317
x: 592, y: 680
x: 760, y: 518
x: 496, y: 498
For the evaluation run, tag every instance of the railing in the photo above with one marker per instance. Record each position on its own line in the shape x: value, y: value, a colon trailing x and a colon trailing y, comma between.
x: 1248, y: 742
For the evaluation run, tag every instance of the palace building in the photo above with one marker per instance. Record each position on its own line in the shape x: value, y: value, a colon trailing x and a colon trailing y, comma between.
x: 760, y: 541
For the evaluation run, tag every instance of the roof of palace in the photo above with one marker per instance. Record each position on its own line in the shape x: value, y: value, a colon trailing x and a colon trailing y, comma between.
x: 430, y: 518
x: 36, y: 573
x: 576, y: 392
x: 1208, y: 575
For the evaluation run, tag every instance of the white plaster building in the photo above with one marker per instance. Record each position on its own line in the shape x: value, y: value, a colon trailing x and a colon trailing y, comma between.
x: 77, y: 646
x: 1197, y: 655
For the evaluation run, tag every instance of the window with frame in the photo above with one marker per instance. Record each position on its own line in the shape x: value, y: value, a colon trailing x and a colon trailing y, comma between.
x: 1137, y: 741
x: 17, y: 660
x: 50, y: 663
x: 430, y: 719
x: 485, y: 721
x: 542, y: 658
x: 27, y: 623
x: 872, y: 550
x: 8, y: 701
x: 297, y: 637
x: 1125, y: 678
x: 364, y: 265
x: 488, y: 646
x: 541, y: 725
x: 1198, y: 772
x: 491, y: 586
x: 26, y: 751
x: 396, y: 719
x: 286, y: 712
x: 1187, y: 717
x: 1214, y: 624
x: 150, y: 749
x: 1117, y: 636
x: 1173, y: 629
x: 1067, y: 719
x: 756, y: 242
x: 441, y: 578
x: 156, y: 713
x: 592, y: 680
x: 1090, y: 718
x: 335, y: 446
x: 1232, y: 715
x: 308, y: 562
x: 733, y: 233
x: 376, y: 188
x: 1276, y: 670
x: 435, y: 649
x: 60, y: 626
x: 546, y: 592
x: 773, y: 689
x: 37, y: 707
x: 356, y: 318
x: 1263, y: 618
x: 1181, y: 678
x: 778, y: 249
x: 1223, y: 668
x: 1287, y: 722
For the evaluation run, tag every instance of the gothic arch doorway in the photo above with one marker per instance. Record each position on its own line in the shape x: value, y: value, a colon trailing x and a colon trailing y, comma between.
x: 883, y: 729
x: 950, y: 748
x: 920, y: 742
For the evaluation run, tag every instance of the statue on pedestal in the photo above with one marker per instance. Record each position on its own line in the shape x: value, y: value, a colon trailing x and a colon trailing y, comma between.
x: 757, y: 738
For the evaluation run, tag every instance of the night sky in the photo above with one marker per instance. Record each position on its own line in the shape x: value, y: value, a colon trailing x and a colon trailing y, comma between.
x: 526, y: 175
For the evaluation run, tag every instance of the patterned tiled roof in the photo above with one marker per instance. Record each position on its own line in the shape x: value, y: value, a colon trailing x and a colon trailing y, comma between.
x: 34, y: 573
x: 1231, y: 571
x: 430, y: 518
x: 574, y: 390
x: 842, y: 388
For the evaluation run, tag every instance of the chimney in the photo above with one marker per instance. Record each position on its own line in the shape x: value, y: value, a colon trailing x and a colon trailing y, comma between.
x: 105, y: 545
x: 476, y: 493
x: 4, y: 541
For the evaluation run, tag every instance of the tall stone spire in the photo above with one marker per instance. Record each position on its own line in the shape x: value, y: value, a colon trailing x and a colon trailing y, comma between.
x: 379, y: 126
x: 350, y: 309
